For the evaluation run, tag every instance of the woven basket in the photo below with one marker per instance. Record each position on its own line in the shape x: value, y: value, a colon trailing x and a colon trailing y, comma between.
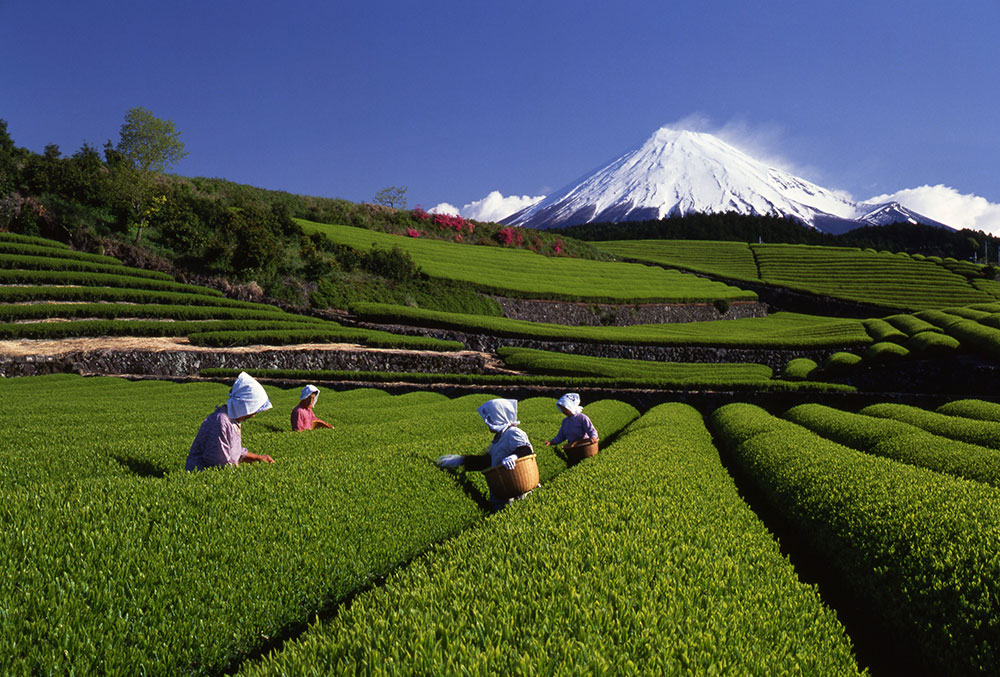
x: 511, y: 483
x: 577, y: 452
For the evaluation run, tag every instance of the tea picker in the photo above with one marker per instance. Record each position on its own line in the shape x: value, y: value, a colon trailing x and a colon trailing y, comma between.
x: 303, y: 417
x: 576, y: 428
x: 509, y: 462
x: 219, y: 441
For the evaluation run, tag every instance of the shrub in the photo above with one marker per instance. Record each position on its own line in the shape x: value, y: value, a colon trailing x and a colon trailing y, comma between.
x: 799, y: 369
x: 885, y: 352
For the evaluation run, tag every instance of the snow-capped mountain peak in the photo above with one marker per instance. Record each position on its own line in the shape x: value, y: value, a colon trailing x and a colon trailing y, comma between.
x: 679, y: 171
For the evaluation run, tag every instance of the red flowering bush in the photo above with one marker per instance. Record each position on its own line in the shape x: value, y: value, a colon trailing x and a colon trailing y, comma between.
x: 413, y: 232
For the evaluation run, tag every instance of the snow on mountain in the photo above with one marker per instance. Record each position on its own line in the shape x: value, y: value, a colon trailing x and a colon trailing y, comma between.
x: 676, y: 172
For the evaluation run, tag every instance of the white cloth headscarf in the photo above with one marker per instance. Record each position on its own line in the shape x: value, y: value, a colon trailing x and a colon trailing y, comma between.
x: 246, y: 397
x: 499, y: 414
x: 571, y: 403
x: 309, y: 390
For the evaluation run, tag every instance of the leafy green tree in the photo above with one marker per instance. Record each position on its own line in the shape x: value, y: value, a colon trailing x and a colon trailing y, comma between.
x: 148, y: 146
x: 393, y: 196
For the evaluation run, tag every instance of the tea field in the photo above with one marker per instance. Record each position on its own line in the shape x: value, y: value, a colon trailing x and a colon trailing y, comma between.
x: 353, y: 552
x: 48, y: 291
x: 879, y: 278
x: 519, y: 272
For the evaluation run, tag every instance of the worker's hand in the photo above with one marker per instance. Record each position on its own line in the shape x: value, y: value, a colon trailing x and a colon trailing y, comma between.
x: 449, y: 461
x: 548, y: 443
x: 266, y: 458
x: 509, y: 462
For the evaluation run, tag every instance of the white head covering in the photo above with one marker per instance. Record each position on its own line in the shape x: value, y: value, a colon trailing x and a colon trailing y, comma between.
x: 499, y: 414
x: 246, y: 397
x: 571, y: 403
x: 309, y: 390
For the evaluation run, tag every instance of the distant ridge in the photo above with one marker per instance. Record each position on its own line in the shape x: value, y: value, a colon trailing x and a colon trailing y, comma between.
x: 678, y: 172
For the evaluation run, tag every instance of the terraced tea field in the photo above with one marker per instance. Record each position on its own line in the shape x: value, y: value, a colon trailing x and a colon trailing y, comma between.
x: 48, y: 291
x: 879, y: 278
x: 519, y: 272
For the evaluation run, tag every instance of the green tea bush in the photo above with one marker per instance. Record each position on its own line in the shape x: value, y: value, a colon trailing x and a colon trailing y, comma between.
x: 932, y: 343
x: 77, y: 328
x: 780, y: 330
x: 547, y: 362
x: 976, y: 336
x: 910, y: 324
x: 292, y: 334
x: 983, y: 433
x: 122, y: 310
x: 57, y: 252
x: 118, y: 294
x: 884, y: 352
x: 882, y: 331
x: 17, y: 262
x: 921, y: 548
x: 732, y: 260
x: 58, y: 277
x: 977, y: 409
x: 638, y: 561
x: 840, y: 363
x: 799, y: 369
x: 31, y: 240
x: 882, y: 436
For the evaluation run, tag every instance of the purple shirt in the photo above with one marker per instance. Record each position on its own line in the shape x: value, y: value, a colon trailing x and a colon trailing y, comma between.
x: 575, y: 428
x: 219, y: 442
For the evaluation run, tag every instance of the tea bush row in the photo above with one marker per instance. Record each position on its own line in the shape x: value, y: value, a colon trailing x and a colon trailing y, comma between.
x: 11, y: 247
x: 901, y: 441
x: 57, y: 277
x: 733, y: 260
x: 975, y: 409
x: 567, y: 382
x: 18, y: 262
x: 129, y: 310
x: 120, y: 295
x: 983, y: 433
x: 131, y: 565
x: 921, y: 548
x: 643, y: 559
x: 32, y: 240
x: 79, y: 328
x: 310, y: 333
x: 780, y: 330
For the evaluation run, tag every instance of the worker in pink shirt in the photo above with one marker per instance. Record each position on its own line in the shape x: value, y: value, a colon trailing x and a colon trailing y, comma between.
x: 303, y: 417
x: 219, y: 441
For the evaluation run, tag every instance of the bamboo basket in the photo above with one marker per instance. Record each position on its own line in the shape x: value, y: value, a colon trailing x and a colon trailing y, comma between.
x: 512, y: 483
x: 577, y: 452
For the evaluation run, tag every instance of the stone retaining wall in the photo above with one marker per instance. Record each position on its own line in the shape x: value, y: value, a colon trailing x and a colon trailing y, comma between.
x: 623, y: 315
x: 774, y: 358
x: 189, y: 362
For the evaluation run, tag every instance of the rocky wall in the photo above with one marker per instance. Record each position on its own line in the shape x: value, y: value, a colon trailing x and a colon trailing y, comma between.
x: 623, y: 315
x: 189, y: 362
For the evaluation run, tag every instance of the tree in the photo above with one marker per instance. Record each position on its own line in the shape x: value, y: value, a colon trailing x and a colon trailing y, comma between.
x: 148, y: 146
x: 393, y: 196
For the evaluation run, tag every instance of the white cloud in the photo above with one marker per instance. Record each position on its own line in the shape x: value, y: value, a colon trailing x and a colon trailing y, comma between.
x: 945, y: 204
x: 444, y: 208
x: 493, y: 207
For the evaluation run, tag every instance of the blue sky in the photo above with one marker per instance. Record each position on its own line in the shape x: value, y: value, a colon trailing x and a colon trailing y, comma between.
x: 454, y: 99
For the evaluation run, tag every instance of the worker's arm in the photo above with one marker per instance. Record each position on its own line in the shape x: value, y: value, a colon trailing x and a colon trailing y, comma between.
x: 251, y: 457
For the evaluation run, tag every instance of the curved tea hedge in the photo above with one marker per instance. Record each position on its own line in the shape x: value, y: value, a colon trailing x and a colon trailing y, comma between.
x: 662, y: 570
x: 734, y: 260
x: 920, y: 547
x: 900, y: 440
x: 983, y: 433
x: 976, y: 409
x: 20, y: 262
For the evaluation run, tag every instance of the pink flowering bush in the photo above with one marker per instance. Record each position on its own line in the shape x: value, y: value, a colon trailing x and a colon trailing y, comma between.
x: 412, y: 232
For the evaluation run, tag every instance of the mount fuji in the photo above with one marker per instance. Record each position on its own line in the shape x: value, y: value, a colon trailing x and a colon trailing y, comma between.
x: 676, y: 172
